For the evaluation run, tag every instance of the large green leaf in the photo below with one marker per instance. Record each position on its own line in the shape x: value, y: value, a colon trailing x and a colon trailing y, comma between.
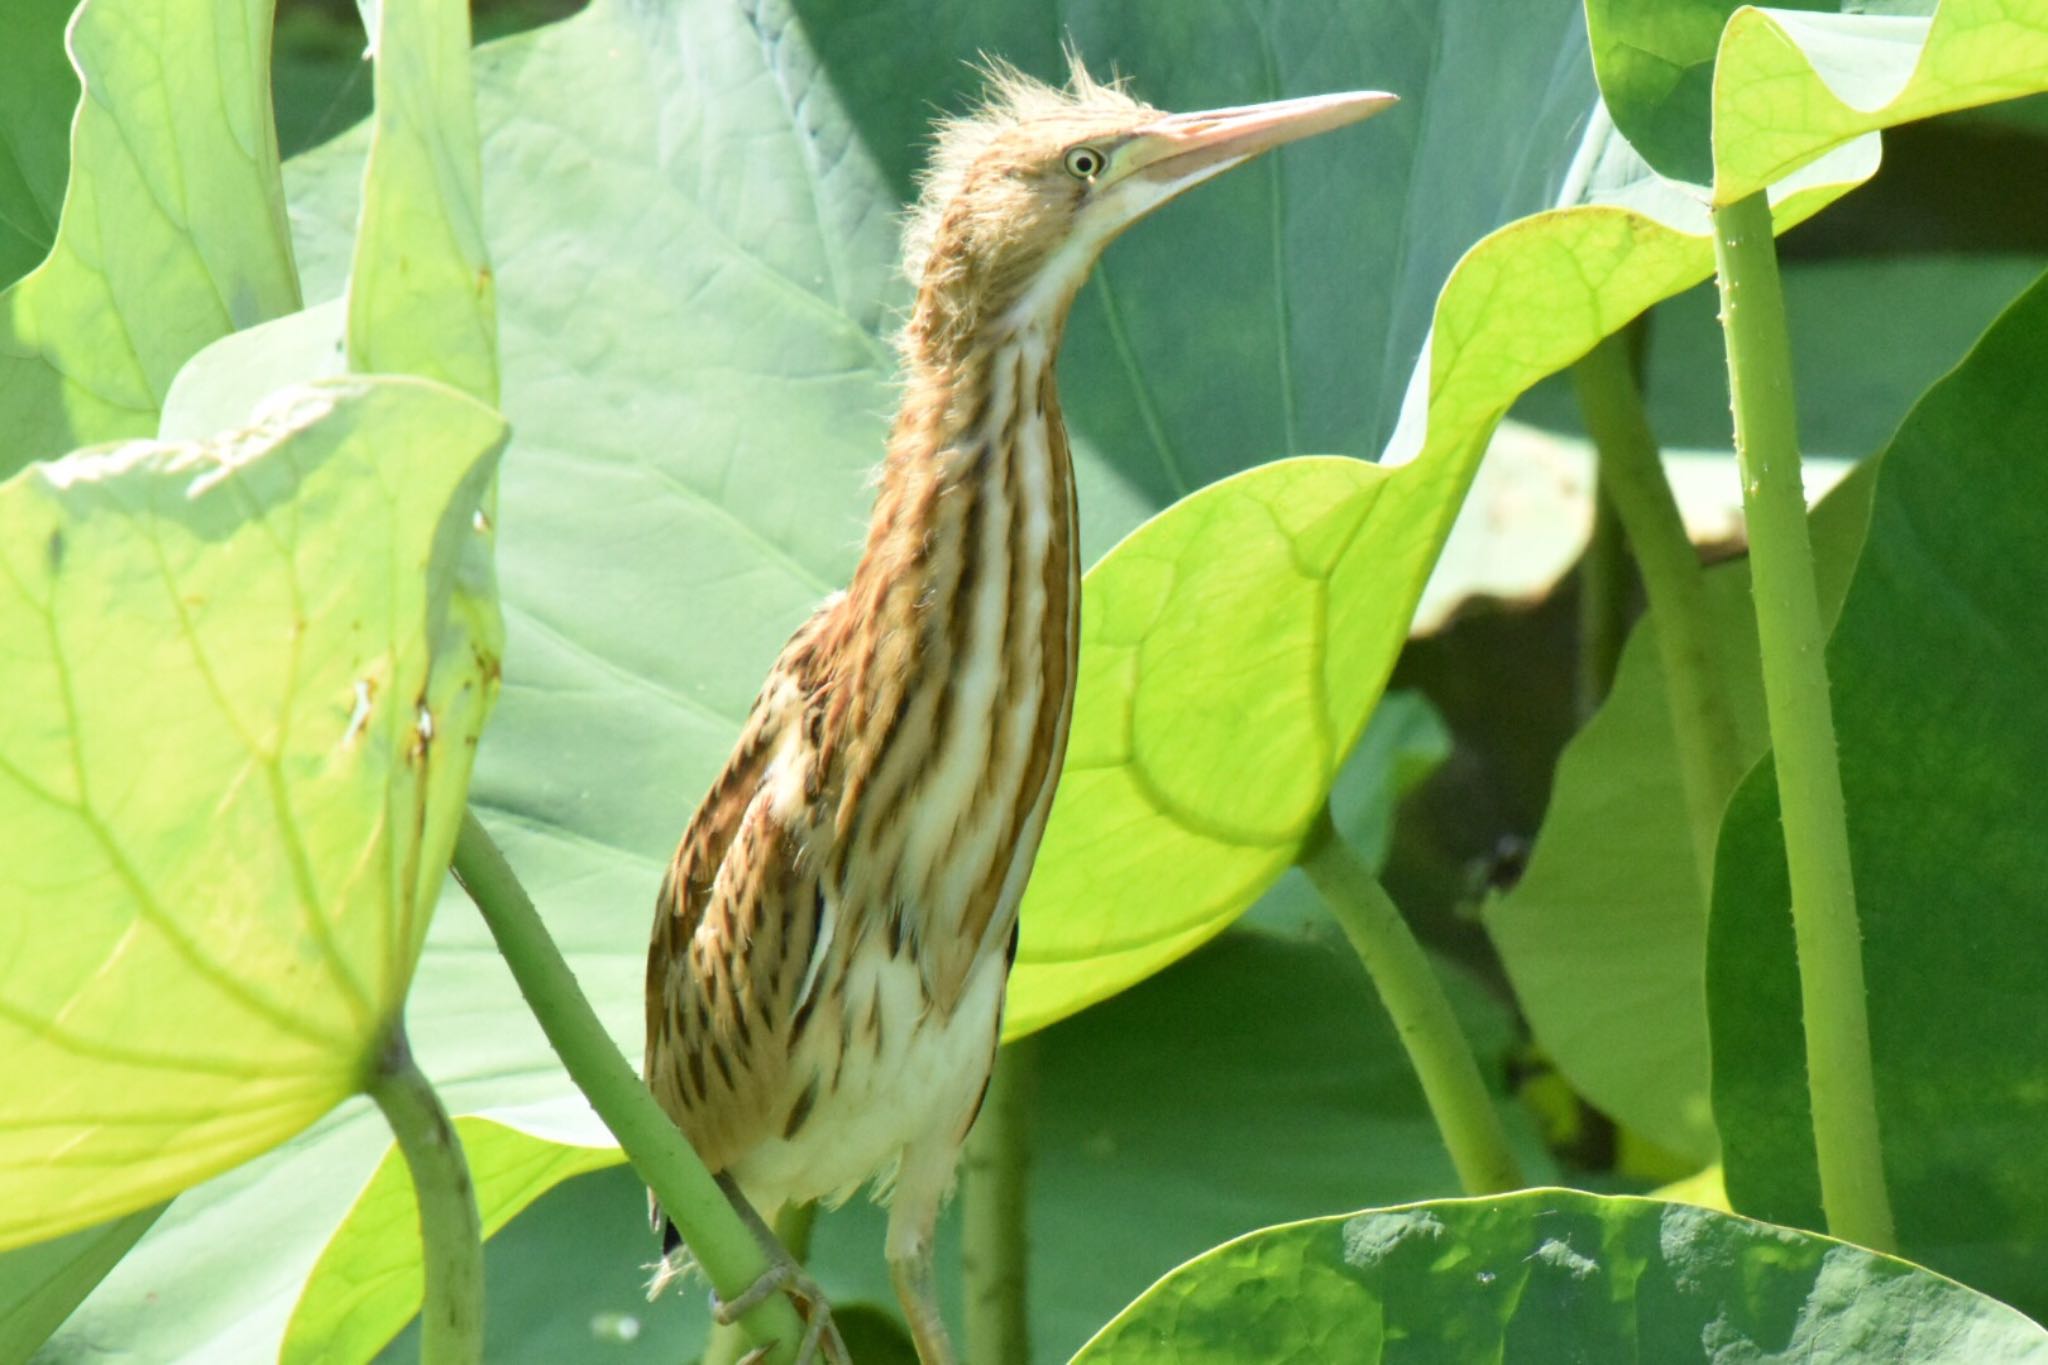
x: 247, y: 860
x: 1185, y: 650
x: 38, y: 90
x: 172, y: 230
x: 1937, y: 669
x: 1557, y: 1275
x: 421, y: 297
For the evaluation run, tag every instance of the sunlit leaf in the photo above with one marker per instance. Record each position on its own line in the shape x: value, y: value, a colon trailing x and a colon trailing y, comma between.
x: 173, y: 229
x: 421, y: 299
x: 1556, y: 1275
x: 1936, y: 670
x: 1788, y: 87
x: 1717, y: 92
x: 244, y: 696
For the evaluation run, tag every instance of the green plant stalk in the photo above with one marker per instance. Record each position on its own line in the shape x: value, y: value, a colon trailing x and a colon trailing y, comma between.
x: 725, y: 1248
x: 1794, y: 649
x: 451, y: 1234
x: 1408, y: 986
x: 1632, y: 475
x: 994, y: 1208
x: 727, y: 1344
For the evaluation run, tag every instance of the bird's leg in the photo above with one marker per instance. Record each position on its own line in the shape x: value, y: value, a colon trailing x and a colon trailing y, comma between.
x: 912, y: 1275
x: 783, y: 1276
x: 913, y: 1213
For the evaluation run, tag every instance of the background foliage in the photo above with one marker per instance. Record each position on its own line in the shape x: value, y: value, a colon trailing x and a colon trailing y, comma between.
x: 689, y: 213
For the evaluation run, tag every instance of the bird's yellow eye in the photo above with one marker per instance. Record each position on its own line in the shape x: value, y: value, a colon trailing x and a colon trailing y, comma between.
x: 1085, y: 163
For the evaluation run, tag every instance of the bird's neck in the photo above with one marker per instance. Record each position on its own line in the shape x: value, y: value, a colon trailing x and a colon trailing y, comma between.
x: 967, y: 602
x: 978, y: 455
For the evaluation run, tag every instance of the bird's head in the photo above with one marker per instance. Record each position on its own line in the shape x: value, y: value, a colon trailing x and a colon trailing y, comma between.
x: 1021, y: 195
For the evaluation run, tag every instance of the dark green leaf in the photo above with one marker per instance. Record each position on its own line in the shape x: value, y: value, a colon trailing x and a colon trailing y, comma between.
x: 38, y: 91
x: 1556, y: 1275
x: 1937, y: 670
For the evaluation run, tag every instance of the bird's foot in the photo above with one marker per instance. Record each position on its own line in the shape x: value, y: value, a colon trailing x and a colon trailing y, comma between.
x: 821, y: 1344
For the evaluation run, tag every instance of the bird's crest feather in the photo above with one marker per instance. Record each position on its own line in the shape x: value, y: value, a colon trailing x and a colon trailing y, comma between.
x: 1010, y: 98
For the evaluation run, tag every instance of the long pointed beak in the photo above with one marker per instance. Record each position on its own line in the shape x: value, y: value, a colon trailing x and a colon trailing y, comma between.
x: 1181, y: 150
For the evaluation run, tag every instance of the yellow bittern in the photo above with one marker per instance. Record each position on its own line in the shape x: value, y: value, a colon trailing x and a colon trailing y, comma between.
x: 825, y: 981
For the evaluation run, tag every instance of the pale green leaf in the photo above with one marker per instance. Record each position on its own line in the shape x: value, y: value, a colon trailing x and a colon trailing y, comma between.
x: 1236, y: 615
x: 172, y: 232
x: 1655, y: 59
x: 244, y: 697
x: 421, y: 299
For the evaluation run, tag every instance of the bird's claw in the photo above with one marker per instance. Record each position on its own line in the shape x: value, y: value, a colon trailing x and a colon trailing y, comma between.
x: 821, y: 1344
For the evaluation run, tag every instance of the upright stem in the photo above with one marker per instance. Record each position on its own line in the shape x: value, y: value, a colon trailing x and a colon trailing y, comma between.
x: 1632, y: 474
x: 1793, y: 641
x: 1409, y: 988
x: 995, y: 1185
x: 451, y: 1235
x: 727, y: 1250
x: 728, y: 1345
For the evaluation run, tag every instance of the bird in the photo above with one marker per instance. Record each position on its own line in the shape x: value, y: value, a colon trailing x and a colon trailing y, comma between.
x: 832, y: 937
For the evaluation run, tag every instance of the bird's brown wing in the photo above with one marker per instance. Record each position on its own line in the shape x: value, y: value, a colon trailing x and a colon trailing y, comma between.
x: 696, y: 1010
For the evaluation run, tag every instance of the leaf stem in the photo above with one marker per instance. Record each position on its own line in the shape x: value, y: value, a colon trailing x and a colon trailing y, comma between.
x: 451, y: 1235
x: 1606, y: 584
x: 994, y: 1207
x: 1793, y: 642
x: 1632, y: 475
x: 1422, y: 1015
x: 724, y: 1246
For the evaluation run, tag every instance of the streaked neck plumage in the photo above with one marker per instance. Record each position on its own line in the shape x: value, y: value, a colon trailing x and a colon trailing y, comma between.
x: 967, y: 595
